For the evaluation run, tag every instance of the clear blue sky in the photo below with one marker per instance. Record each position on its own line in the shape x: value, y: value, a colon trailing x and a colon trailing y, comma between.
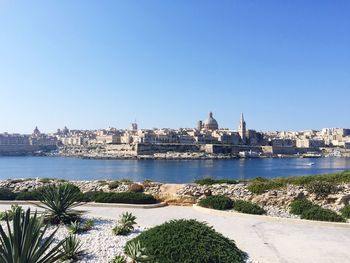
x: 95, y: 64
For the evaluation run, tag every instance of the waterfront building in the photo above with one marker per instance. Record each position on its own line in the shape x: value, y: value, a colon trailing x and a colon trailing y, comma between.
x: 14, y: 139
x: 108, y: 139
x: 310, y: 143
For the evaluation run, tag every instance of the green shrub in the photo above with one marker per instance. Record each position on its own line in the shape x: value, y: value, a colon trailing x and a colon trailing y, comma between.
x: 248, y: 207
x: 113, y: 185
x: 136, y: 188
x: 259, y: 186
x: 125, y: 181
x: 29, y: 195
x: 188, y: 241
x: 6, y: 194
x: 321, y: 189
x: 345, y: 211
x: 211, y: 181
x: 218, y: 202
x: 24, y: 241
x: 125, y: 197
x: 298, y: 206
x: 45, y: 180
x: 102, y: 182
x: 321, y: 214
x: 88, y: 196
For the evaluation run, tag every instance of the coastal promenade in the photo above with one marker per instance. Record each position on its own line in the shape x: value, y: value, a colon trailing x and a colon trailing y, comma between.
x: 265, y: 239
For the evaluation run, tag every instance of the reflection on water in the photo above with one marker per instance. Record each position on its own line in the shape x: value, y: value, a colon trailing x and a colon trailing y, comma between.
x: 175, y: 171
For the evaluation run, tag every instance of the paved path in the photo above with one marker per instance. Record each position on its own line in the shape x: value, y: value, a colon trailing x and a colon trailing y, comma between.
x: 265, y: 239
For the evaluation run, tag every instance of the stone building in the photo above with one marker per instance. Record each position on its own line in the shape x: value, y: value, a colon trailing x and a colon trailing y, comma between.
x: 209, y: 124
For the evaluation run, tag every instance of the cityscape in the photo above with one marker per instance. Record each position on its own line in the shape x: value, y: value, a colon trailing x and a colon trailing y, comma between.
x: 186, y: 131
x: 206, y: 138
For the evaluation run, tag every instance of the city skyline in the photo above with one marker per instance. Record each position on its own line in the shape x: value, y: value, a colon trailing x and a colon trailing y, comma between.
x: 202, y: 123
x: 87, y: 65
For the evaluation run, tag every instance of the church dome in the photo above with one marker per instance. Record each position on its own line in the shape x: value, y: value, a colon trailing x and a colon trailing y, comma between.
x: 211, y: 123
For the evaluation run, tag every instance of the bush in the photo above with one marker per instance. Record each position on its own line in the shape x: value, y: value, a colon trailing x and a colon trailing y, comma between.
x: 345, y: 211
x: 25, y: 242
x: 321, y: 189
x: 113, y: 185
x: 136, y: 188
x: 88, y: 196
x: 297, y: 207
x: 248, y: 207
x: 218, y: 202
x: 321, y: 214
x: 188, y: 241
x: 211, y: 181
x: 6, y: 194
x: 259, y: 186
x: 125, y: 198
x: 33, y: 195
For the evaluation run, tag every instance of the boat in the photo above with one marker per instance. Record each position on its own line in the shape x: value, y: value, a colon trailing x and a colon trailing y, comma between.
x: 310, y: 164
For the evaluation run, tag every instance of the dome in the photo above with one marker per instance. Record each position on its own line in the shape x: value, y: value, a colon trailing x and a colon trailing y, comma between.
x: 211, y: 123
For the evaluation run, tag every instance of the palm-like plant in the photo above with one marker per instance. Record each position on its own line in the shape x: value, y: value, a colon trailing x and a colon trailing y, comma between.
x: 59, y: 202
x: 125, y: 224
x: 71, y: 248
x: 25, y: 242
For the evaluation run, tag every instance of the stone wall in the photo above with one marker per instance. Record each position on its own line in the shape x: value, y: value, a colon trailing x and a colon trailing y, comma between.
x: 23, y: 149
x: 149, y: 149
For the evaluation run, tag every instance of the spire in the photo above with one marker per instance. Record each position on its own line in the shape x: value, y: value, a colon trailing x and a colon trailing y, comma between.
x: 210, y: 115
x: 242, y: 117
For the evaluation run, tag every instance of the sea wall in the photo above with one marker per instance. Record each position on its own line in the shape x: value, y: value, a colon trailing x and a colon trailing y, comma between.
x: 13, y: 150
x: 149, y: 149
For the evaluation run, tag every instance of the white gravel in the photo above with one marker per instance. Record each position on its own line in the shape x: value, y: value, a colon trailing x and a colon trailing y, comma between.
x: 100, y: 245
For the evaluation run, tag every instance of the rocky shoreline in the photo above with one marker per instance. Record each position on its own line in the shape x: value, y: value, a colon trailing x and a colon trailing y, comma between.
x: 275, y: 202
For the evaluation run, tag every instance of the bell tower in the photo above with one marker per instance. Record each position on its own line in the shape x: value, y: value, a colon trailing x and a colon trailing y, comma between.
x: 242, y: 130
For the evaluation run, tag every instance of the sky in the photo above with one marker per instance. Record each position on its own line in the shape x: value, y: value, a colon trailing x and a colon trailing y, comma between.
x: 164, y: 63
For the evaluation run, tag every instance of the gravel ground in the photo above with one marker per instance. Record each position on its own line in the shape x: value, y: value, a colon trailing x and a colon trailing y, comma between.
x: 100, y: 245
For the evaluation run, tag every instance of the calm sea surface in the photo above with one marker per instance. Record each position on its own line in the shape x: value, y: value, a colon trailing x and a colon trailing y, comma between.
x: 164, y: 171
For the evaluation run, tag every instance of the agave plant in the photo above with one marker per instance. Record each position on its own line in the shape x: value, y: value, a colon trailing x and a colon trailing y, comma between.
x: 24, y: 242
x: 9, y: 214
x: 88, y: 225
x: 59, y: 202
x: 125, y: 224
x: 136, y: 252
x: 71, y: 248
x: 77, y: 227
x: 74, y: 227
x: 119, y: 259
